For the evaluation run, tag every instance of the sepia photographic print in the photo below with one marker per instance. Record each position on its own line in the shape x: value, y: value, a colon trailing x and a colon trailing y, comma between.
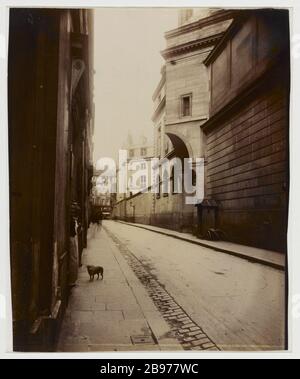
x: 149, y: 179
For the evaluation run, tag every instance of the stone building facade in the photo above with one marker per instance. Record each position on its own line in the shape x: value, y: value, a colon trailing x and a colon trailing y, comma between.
x: 247, y: 134
x: 136, y: 179
x: 181, y: 104
x: 50, y: 107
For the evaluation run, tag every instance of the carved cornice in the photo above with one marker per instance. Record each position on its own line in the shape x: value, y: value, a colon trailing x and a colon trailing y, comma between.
x: 219, y: 16
x: 191, y: 46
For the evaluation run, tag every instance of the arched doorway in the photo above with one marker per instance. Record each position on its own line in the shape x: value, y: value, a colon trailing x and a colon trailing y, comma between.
x: 171, y: 210
x: 180, y: 148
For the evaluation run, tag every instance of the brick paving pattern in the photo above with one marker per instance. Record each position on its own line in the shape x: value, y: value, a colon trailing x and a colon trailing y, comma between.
x: 189, y: 334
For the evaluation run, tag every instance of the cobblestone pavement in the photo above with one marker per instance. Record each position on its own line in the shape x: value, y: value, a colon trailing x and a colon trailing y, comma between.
x: 160, y: 293
x: 233, y: 304
x: 189, y: 334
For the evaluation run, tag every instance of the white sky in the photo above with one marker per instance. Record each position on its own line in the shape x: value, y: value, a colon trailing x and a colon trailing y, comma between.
x: 127, y: 47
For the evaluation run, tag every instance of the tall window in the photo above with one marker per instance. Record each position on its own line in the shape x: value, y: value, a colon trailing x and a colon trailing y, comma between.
x: 157, y: 183
x: 131, y: 153
x: 143, y: 181
x: 143, y: 151
x: 165, y: 183
x: 172, y: 181
x: 186, y: 105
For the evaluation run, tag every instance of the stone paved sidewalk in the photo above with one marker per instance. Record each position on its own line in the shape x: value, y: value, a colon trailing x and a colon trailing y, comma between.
x: 113, y: 314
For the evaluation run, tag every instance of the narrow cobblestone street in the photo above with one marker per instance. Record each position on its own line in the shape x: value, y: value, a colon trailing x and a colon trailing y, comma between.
x: 153, y: 298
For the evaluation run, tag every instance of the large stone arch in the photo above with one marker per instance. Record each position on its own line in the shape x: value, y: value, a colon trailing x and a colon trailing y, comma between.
x: 179, y: 215
x: 182, y: 148
x: 192, y: 136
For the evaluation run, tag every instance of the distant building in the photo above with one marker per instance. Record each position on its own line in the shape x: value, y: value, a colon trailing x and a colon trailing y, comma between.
x: 139, y: 155
x: 137, y: 176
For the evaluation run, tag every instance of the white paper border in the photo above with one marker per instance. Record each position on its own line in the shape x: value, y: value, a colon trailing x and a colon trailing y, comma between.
x: 294, y: 224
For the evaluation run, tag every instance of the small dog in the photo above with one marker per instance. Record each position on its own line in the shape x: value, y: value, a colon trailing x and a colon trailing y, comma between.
x: 95, y: 270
